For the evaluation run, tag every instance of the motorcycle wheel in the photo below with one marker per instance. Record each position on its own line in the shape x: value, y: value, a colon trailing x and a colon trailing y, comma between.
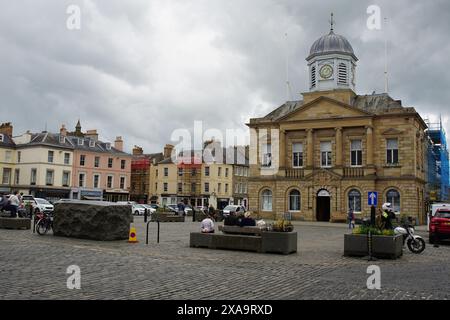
x: 416, y: 246
x: 41, y: 227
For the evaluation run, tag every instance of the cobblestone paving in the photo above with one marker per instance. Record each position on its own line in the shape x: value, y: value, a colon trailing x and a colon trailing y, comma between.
x: 33, y: 266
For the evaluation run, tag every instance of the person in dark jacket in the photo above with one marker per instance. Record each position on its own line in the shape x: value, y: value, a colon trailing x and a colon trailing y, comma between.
x: 231, y: 219
x: 247, y: 220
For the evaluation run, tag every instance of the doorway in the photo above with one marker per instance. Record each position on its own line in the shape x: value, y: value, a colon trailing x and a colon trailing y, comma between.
x: 323, y: 208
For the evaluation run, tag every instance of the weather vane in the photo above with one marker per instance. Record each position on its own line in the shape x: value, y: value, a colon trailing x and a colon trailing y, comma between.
x: 332, y: 22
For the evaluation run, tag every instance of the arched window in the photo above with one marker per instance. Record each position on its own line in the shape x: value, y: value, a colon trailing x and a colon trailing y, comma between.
x: 266, y: 200
x: 313, y: 77
x: 354, y: 200
x: 342, y: 73
x: 393, y: 196
x: 294, y: 200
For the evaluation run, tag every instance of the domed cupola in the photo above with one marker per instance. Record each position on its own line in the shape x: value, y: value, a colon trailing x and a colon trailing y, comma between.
x: 331, y: 63
x: 331, y: 43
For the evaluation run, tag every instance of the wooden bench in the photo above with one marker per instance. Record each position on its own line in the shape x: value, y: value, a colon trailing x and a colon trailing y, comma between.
x: 15, y: 223
x: 246, y: 239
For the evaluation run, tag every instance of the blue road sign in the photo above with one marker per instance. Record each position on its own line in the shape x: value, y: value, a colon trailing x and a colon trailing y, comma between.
x: 373, y: 198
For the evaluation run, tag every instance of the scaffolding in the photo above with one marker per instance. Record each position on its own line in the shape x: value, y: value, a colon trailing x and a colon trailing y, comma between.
x: 438, y: 162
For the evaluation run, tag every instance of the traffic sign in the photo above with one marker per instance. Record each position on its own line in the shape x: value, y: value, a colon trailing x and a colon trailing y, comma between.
x: 373, y: 198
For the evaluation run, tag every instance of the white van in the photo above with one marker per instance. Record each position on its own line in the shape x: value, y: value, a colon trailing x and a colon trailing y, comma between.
x: 434, y: 208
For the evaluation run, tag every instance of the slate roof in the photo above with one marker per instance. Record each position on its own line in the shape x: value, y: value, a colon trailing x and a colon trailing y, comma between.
x: 373, y: 103
x: 7, y: 142
x: 70, y: 142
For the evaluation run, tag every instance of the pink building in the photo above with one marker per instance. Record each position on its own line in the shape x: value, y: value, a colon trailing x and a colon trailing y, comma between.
x: 101, y: 171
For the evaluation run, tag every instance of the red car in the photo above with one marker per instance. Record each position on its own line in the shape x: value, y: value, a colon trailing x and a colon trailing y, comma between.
x: 440, y: 225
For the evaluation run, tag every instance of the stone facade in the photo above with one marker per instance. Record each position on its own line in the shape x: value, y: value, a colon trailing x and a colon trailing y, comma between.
x: 335, y: 117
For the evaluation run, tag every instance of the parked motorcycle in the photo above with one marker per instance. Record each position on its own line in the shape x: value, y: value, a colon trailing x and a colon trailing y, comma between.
x: 416, y: 244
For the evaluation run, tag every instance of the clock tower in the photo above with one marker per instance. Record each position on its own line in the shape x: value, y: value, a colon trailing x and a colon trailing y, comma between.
x: 331, y: 63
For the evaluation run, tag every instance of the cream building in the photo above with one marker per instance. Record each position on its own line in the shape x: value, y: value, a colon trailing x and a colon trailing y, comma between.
x: 43, y: 165
x: 320, y: 157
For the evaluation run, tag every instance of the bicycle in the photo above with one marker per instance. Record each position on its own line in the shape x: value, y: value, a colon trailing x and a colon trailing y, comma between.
x: 44, y: 223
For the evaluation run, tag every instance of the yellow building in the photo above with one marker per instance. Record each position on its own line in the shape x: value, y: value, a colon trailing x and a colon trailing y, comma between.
x: 322, y: 156
x: 197, y: 182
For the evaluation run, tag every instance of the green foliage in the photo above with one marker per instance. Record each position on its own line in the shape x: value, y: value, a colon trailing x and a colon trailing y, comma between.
x: 374, y: 230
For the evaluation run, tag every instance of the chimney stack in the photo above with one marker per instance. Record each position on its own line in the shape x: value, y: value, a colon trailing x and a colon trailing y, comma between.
x: 91, y: 134
x: 137, y: 151
x: 63, y: 130
x: 118, y: 144
x: 168, y: 151
x: 6, y: 128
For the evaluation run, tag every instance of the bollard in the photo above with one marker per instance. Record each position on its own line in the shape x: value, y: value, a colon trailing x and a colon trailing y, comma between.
x: 145, y: 215
x: 372, y: 216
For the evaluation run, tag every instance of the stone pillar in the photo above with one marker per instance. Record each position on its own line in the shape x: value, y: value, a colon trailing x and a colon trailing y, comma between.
x: 310, y: 149
x: 369, y: 145
x: 338, y: 147
x: 282, y: 149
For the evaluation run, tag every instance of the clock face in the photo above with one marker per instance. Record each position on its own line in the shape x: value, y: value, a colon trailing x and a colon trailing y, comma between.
x: 326, y: 71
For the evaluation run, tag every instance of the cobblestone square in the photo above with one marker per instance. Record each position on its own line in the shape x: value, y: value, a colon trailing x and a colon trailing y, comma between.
x: 34, y: 267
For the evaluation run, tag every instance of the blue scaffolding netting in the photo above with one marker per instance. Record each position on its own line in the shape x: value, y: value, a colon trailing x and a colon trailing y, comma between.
x: 438, y: 162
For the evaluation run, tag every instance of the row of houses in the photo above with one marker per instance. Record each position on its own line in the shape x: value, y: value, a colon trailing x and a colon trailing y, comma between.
x: 198, y: 178
x: 75, y: 165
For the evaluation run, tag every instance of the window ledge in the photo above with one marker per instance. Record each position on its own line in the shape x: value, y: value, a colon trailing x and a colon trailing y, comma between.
x: 387, y: 166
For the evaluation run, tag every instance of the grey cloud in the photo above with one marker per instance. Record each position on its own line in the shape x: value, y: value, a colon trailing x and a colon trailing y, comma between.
x: 141, y: 69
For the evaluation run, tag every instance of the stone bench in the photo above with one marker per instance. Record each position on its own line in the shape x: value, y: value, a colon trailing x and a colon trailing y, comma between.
x: 246, y: 239
x: 15, y: 223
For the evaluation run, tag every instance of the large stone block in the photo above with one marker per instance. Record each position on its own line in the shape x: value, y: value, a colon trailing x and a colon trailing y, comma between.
x: 95, y: 220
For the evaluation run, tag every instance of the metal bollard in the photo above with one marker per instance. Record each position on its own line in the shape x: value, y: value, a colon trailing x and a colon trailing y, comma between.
x: 145, y: 215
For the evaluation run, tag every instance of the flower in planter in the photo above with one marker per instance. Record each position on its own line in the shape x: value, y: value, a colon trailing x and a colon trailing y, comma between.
x: 282, y: 225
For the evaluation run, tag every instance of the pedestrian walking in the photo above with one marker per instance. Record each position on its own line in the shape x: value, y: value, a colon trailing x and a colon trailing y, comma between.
x: 351, y: 219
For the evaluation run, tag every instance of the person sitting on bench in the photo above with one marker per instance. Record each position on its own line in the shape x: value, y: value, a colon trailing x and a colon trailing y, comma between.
x: 231, y: 219
x: 207, y: 225
x: 247, y: 220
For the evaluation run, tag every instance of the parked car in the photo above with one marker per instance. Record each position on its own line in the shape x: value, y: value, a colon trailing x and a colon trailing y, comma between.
x: 149, y: 208
x: 172, y: 208
x: 440, y: 225
x: 188, y: 210
x: 433, y: 210
x: 42, y: 205
x: 233, y: 208
x: 138, y: 209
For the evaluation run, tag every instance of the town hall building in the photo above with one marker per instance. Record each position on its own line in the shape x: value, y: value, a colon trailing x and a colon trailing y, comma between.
x: 322, y: 156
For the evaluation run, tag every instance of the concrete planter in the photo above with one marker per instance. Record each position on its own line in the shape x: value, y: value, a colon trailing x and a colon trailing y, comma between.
x: 267, y: 242
x: 279, y: 242
x: 389, y: 247
x: 15, y: 223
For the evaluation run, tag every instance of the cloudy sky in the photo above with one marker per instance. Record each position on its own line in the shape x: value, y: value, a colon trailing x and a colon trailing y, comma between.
x: 142, y: 68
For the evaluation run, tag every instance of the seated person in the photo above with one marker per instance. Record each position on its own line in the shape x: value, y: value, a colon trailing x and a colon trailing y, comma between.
x: 231, y: 220
x: 247, y: 220
x: 207, y: 225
